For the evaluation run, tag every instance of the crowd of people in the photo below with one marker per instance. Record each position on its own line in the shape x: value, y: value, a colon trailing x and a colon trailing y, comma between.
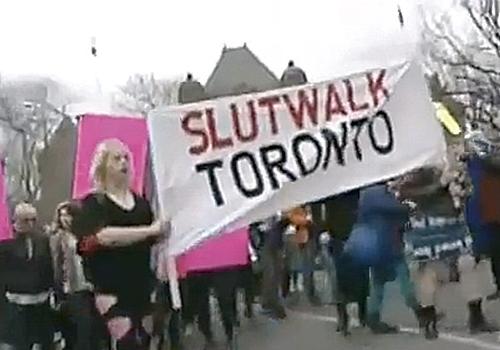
x: 95, y: 277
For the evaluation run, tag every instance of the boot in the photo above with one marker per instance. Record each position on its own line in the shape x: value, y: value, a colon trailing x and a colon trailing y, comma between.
x: 419, y: 315
x: 477, y: 321
x: 494, y: 296
x: 343, y: 325
x: 429, y: 326
x: 379, y: 327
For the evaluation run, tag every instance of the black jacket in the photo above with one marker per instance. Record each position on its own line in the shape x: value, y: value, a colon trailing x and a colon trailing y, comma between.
x: 22, y: 274
x: 340, y: 214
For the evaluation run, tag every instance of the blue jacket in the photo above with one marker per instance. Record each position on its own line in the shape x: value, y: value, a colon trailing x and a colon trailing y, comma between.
x: 383, y: 215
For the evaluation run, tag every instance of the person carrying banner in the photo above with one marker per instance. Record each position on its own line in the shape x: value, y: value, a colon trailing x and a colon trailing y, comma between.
x: 26, y: 272
x: 115, y: 233
x: 440, y: 237
x: 439, y: 234
x: 438, y: 226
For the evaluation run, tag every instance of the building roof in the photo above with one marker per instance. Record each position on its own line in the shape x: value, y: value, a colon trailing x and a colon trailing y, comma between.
x: 191, y: 91
x: 239, y: 71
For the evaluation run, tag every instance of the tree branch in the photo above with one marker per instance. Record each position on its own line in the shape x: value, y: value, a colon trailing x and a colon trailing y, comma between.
x: 481, y: 28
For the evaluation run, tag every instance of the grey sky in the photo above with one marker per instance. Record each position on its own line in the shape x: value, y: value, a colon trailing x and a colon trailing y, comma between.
x: 169, y: 38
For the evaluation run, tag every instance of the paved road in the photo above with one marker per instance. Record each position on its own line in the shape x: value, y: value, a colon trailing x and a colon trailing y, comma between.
x: 309, y: 328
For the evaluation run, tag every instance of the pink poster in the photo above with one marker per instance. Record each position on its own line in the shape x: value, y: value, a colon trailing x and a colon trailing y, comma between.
x: 227, y: 250
x: 92, y: 130
x: 5, y: 229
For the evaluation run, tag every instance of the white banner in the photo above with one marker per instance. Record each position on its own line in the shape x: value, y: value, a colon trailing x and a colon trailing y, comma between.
x: 247, y: 157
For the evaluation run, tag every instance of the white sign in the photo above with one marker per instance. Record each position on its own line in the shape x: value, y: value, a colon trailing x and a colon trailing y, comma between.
x: 247, y: 157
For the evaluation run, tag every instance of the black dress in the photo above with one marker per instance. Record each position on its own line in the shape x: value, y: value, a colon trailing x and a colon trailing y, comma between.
x: 123, y: 272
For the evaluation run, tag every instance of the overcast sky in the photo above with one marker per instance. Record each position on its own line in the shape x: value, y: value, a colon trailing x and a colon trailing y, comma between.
x: 169, y: 38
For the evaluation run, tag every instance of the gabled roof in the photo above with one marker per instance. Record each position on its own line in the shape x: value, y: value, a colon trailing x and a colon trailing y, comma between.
x: 239, y: 71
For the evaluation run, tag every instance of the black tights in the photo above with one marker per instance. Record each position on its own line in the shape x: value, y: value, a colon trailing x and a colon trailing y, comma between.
x: 136, y: 339
x: 224, y: 285
x: 164, y: 311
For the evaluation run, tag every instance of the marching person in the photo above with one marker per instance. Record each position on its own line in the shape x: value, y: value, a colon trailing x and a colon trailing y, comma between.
x: 222, y: 278
x: 27, y: 276
x: 440, y: 235
x: 80, y: 323
x: 273, y: 266
x: 336, y: 216
x: 246, y: 283
x: 436, y: 226
x: 224, y: 284
x: 164, y: 312
x: 476, y: 269
x: 485, y: 202
x: 115, y: 230
x: 274, y: 258
x: 383, y: 216
x: 300, y: 253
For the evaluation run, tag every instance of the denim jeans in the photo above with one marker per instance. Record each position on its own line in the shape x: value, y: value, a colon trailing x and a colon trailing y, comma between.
x: 377, y: 289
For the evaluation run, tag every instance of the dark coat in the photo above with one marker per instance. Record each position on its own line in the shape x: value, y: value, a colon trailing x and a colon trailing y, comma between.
x: 340, y: 213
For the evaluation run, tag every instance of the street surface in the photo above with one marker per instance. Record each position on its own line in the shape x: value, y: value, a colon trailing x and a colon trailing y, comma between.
x: 310, y: 328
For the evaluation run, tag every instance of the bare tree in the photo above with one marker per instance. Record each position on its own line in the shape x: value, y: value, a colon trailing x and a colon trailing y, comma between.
x: 29, y: 126
x: 467, y: 59
x: 142, y: 93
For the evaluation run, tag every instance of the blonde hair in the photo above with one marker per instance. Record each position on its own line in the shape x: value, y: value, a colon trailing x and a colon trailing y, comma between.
x: 98, y: 168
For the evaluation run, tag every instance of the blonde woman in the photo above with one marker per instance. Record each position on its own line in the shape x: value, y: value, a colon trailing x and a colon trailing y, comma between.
x: 116, y: 233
